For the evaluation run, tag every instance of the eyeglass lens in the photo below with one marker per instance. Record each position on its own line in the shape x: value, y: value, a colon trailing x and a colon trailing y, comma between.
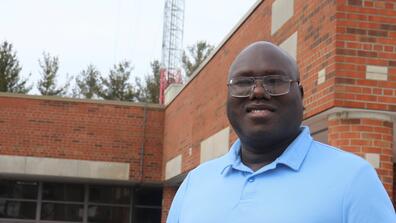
x: 274, y: 85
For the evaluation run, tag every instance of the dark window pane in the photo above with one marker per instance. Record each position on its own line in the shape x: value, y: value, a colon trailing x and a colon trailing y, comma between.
x: 146, y: 215
x: 105, y: 214
x: 18, y: 189
x: 63, y: 192
x: 109, y: 194
x: 148, y: 196
x: 17, y: 209
x: 62, y: 212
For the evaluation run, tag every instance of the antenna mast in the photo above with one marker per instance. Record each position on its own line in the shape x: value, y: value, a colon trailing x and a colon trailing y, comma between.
x: 172, y: 45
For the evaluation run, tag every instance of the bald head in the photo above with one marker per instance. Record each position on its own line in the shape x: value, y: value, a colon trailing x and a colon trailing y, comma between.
x: 266, y: 54
x: 264, y: 120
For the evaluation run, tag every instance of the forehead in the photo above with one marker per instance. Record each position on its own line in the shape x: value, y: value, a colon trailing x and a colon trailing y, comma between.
x: 262, y: 59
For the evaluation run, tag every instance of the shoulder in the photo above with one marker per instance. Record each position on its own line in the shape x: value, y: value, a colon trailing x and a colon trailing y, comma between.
x: 336, y: 157
x: 210, y: 168
x: 364, y: 198
x: 336, y: 164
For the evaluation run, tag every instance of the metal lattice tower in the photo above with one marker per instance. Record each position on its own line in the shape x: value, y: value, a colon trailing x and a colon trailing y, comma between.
x: 172, y: 45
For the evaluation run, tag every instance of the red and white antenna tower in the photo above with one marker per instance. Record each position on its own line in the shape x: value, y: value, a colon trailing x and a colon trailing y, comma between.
x: 172, y: 45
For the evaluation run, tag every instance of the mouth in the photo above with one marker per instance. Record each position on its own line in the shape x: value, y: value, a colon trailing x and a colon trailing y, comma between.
x: 259, y: 108
x: 259, y: 111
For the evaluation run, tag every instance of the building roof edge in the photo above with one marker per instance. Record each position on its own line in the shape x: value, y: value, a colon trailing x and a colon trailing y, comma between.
x: 92, y: 101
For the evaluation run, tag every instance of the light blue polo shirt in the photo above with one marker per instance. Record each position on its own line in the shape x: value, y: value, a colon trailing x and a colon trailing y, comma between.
x: 309, y: 183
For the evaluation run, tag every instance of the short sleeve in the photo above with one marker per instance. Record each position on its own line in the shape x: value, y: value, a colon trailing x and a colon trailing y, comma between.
x: 177, y: 203
x: 366, y: 200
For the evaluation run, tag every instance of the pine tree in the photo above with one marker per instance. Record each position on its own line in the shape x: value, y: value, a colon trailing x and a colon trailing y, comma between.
x: 197, y: 53
x: 47, y: 83
x: 150, y: 90
x: 117, y: 86
x: 10, y: 80
x: 87, y: 83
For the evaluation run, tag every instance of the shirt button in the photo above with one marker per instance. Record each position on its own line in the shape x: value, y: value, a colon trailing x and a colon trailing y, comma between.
x: 251, y: 179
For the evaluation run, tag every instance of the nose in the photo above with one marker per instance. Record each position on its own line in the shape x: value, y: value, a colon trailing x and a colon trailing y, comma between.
x: 259, y: 92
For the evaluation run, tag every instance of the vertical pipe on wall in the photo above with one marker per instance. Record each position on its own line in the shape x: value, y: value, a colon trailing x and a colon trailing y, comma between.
x: 143, y: 142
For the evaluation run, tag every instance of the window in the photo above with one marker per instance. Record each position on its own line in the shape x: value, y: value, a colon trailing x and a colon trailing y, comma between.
x: 18, y: 199
x: 73, y: 202
x: 62, y: 202
x: 62, y: 212
x: 109, y: 204
x: 109, y: 194
x: 98, y: 213
x: 147, y: 208
x: 17, y: 209
x: 147, y: 215
x: 63, y: 192
x: 148, y: 196
x: 18, y: 189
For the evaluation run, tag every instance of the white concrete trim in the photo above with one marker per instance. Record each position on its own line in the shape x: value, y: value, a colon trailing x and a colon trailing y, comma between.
x: 26, y: 165
x: 215, y: 146
x: 325, y: 114
x: 374, y: 159
x: 173, y: 167
x: 282, y: 11
x: 171, y: 91
x: 290, y: 45
x: 321, y: 76
x: 360, y: 114
x: 379, y: 73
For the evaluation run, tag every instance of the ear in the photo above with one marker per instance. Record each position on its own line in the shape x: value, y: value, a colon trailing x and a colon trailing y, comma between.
x: 302, y: 94
x: 301, y: 90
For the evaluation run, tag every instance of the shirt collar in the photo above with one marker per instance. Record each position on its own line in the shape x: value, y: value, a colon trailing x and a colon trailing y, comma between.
x: 296, y: 152
x: 232, y: 157
x: 292, y: 157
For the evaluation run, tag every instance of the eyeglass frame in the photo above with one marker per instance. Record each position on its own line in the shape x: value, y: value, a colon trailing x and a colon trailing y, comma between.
x: 262, y: 84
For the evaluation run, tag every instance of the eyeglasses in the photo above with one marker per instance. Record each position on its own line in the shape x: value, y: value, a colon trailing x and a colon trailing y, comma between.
x: 274, y: 85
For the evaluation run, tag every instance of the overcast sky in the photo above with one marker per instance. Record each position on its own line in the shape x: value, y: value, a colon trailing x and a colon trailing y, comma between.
x: 104, y: 32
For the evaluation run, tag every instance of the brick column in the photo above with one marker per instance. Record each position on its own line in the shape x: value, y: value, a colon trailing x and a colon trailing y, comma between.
x: 369, y: 135
x: 167, y: 196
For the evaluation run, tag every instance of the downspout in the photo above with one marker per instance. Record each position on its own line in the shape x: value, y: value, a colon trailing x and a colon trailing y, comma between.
x: 143, y: 143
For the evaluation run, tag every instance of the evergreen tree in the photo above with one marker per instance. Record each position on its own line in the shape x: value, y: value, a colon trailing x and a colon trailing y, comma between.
x: 116, y: 86
x: 87, y: 83
x: 197, y: 53
x: 10, y: 80
x: 150, y: 90
x: 47, y: 83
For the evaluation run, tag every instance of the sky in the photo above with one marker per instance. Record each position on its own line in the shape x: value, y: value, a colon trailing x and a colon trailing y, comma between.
x: 105, y: 32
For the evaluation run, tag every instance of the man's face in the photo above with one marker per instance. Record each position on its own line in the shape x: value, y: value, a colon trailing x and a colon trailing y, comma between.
x: 261, y: 119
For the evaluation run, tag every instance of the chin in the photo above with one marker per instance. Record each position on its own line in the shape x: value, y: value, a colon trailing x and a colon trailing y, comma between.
x: 255, y: 134
x: 269, y: 133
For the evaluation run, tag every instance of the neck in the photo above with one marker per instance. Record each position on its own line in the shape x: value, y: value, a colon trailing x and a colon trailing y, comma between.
x: 256, y: 159
x: 256, y: 156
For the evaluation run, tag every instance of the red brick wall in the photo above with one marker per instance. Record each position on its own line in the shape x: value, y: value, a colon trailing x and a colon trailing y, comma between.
x: 167, y: 196
x: 89, y: 130
x: 366, y: 35
x: 361, y: 136
x: 315, y: 21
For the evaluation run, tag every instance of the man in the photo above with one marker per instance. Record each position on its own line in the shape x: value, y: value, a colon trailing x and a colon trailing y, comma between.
x: 275, y: 172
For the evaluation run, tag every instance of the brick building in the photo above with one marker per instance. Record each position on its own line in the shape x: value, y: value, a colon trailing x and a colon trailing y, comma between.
x: 112, y: 161
x: 79, y: 161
